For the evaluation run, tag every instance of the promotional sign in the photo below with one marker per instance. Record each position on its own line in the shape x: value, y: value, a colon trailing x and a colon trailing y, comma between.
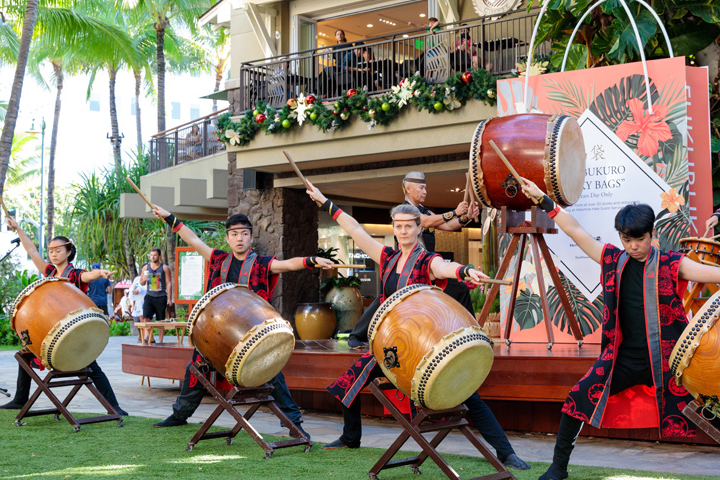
x: 659, y: 157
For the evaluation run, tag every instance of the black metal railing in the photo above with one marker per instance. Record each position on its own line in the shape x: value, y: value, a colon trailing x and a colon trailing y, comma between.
x: 381, y: 62
x: 187, y: 142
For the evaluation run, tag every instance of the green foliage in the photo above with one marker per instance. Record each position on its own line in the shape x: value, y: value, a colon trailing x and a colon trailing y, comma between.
x: 329, y: 253
x: 119, y: 329
x: 382, y: 110
x: 528, y: 311
x: 478, y: 297
x: 341, y: 281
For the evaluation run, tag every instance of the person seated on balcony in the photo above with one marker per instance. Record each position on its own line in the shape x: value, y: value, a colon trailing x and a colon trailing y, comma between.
x: 352, y: 74
x: 464, y: 55
x: 193, y: 143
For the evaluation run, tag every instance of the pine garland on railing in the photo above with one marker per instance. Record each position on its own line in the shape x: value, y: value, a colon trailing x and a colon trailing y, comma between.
x: 383, y: 110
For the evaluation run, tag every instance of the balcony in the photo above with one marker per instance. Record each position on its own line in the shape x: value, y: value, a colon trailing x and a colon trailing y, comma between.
x: 381, y: 62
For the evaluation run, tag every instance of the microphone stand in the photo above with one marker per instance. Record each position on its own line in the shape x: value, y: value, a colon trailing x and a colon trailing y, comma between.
x: 8, y: 253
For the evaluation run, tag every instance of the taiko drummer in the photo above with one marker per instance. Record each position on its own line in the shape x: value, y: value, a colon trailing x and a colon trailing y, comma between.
x: 643, y: 317
x: 61, y: 252
x: 408, y: 265
x: 243, y: 266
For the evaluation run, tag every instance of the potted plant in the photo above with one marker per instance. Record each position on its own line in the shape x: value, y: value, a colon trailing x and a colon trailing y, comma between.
x: 344, y: 295
x: 491, y: 324
x: 330, y: 254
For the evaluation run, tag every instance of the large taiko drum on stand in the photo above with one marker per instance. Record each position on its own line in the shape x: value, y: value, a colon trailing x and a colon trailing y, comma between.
x: 59, y: 324
x: 702, y: 250
x: 430, y: 347
x: 241, y: 335
x: 547, y: 149
x: 695, y: 359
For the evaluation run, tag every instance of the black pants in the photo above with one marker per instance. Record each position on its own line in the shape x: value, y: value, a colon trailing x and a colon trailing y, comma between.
x: 628, y: 372
x: 190, y: 398
x: 154, y: 305
x: 97, y: 375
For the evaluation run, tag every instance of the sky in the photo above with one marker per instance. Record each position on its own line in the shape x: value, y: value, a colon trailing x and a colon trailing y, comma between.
x: 84, y: 123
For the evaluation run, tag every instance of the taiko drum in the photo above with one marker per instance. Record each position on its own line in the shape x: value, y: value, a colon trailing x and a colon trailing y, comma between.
x: 430, y: 347
x: 59, y: 324
x: 701, y: 250
x: 241, y: 335
x: 694, y: 360
x: 546, y: 149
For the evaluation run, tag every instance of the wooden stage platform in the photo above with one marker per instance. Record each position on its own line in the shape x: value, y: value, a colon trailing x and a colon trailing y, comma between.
x: 525, y: 388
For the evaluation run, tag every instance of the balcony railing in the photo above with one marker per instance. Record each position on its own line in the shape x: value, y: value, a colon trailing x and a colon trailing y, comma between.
x: 382, y: 62
x: 187, y: 142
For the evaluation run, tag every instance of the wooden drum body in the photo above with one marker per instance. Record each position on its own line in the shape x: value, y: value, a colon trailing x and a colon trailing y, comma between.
x: 430, y: 347
x: 701, y: 250
x: 59, y: 324
x: 547, y: 149
x: 695, y: 359
x: 241, y: 335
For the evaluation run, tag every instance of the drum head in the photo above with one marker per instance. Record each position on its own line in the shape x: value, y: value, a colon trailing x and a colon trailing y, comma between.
x: 76, y: 341
x: 262, y: 354
x: 570, y: 161
x: 453, y: 370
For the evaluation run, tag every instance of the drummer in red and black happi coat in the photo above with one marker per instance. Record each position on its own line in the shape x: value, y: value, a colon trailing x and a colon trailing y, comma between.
x: 61, y: 253
x: 409, y: 265
x: 630, y: 385
x: 245, y: 267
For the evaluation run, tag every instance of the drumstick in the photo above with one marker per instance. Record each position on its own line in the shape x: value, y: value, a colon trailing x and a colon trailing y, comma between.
x: 494, y: 281
x: 713, y: 238
x: 297, y: 170
x: 706, y: 232
x: 467, y: 188
x: 7, y: 215
x: 341, y: 265
x: 510, y: 167
x: 139, y: 192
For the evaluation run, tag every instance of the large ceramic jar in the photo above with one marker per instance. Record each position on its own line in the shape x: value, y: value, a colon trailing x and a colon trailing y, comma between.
x: 314, y: 321
x: 348, y: 306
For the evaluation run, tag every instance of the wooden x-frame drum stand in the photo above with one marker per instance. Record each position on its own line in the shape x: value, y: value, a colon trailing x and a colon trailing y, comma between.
x: 514, y: 223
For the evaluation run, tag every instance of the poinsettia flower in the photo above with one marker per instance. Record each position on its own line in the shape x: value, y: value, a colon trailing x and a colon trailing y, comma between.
x: 232, y: 137
x: 651, y: 128
x: 672, y: 200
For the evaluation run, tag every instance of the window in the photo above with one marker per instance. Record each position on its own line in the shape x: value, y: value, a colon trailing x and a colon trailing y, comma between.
x: 133, y: 106
x: 194, y: 112
x: 94, y: 105
x: 176, y: 110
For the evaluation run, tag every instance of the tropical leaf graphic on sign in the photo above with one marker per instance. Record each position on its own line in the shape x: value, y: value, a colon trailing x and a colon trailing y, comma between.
x: 528, y: 311
x: 588, y: 314
x: 669, y: 229
x: 611, y: 106
x: 571, y: 98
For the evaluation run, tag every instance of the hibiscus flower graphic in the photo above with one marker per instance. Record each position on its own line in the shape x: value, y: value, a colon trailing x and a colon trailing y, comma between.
x: 651, y: 128
x: 672, y: 200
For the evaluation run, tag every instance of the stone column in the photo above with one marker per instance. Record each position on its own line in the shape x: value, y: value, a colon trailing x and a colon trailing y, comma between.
x: 285, y: 223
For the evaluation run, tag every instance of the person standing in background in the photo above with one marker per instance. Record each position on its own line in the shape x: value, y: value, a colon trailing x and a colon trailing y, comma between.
x: 137, y: 298
x: 156, y: 275
x: 98, y: 291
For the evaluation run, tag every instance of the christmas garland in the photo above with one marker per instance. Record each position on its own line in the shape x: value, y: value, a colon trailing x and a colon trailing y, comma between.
x: 374, y: 110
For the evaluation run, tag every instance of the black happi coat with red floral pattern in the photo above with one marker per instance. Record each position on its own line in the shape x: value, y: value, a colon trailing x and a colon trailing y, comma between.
x: 365, y: 369
x: 665, y: 320
x: 261, y: 281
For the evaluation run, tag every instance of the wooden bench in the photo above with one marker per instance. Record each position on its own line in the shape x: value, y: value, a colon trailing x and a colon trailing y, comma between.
x: 161, y: 327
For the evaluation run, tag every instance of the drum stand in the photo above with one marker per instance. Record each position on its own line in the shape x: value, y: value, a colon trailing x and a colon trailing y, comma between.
x: 514, y: 223
x: 443, y: 421
x: 695, y: 412
x: 256, y: 397
x: 44, y: 386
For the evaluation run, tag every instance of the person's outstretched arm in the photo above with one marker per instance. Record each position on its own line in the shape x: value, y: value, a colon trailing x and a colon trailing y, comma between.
x: 298, y: 263
x: 185, y: 233
x: 697, y: 272
x: 439, y: 268
x: 363, y: 240
x: 566, y: 222
x: 28, y: 245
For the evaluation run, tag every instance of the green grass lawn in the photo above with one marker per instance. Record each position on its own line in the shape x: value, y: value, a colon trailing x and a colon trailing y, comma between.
x: 4, y: 348
x: 46, y: 449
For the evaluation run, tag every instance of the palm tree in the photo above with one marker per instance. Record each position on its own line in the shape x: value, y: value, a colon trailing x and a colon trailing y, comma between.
x: 28, y: 26
x: 216, y: 46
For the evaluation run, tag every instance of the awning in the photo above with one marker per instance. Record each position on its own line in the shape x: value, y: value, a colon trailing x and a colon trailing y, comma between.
x: 220, y: 95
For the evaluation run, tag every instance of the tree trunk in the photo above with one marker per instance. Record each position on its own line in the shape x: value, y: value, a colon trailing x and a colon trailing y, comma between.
x: 218, y: 78
x: 160, y: 34
x: 138, y: 120
x: 58, y: 69
x: 16, y: 91
x: 114, y: 129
